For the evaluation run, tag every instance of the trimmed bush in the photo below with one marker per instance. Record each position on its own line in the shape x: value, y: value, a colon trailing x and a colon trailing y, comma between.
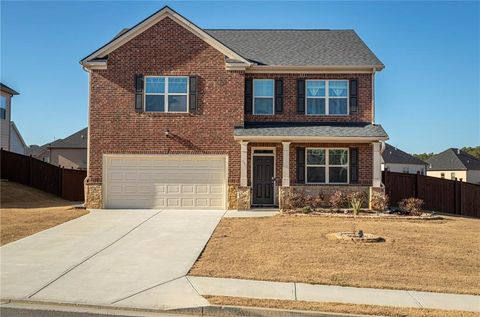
x: 380, y: 201
x: 338, y: 200
x: 411, y: 206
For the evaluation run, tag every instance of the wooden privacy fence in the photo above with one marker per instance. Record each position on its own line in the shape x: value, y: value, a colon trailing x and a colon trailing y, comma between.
x: 442, y: 195
x: 26, y: 170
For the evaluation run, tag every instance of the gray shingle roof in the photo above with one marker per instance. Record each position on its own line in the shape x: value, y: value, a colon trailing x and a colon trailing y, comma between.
x: 453, y: 159
x: 317, y: 130
x: 392, y: 154
x: 298, y: 47
x: 76, y: 140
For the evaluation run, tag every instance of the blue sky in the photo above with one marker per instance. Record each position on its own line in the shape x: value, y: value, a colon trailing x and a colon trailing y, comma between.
x: 427, y: 97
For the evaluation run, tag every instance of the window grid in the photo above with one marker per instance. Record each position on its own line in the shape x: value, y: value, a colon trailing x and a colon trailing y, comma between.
x: 165, y: 94
x: 327, y: 97
x: 264, y: 97
x: 327, y: 165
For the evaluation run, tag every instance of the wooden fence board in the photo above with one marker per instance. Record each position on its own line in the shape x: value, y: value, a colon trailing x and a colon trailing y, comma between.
x: 66, y: 183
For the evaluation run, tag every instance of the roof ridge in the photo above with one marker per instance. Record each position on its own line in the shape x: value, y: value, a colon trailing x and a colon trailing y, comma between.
x: 273, y: 29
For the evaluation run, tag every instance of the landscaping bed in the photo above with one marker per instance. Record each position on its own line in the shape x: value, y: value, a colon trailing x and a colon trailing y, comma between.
x: 438, y: 256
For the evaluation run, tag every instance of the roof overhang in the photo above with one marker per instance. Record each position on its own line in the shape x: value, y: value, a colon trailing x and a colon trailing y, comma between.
x: 309, y: 139
x: 88, y: 62
x: 313, y: 69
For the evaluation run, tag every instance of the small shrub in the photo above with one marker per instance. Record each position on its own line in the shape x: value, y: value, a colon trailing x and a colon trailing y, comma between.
x: 338, y: 200
x: 315, y: 202
x: 306, y: 209
x: 296, y: 199
x: 380, y: 201
x: 356, y: 200
x: 411, y: 206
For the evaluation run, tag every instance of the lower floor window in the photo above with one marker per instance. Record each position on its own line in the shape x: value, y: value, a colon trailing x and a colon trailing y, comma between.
x: 327, y: 165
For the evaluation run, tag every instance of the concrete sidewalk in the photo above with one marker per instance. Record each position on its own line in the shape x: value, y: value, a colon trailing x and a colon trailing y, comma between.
x: 328, y: 293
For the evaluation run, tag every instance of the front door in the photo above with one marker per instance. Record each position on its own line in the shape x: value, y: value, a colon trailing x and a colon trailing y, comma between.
x: 263, y: 180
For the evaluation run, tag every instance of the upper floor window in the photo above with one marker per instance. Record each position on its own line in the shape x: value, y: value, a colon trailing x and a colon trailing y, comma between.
x: 3, y: 107
x: 327, y: 166
x: 327, y: 97
x: 166, y: 94
x: 263, y: 93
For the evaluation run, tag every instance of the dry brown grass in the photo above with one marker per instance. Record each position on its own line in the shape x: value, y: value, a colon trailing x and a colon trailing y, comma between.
x: 337, y: 307
x: 25, y: 211
x: 439, y: 256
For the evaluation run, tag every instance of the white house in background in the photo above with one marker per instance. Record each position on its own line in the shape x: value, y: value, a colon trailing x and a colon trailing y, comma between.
x: 395, y: 160
x: 17, y: 144
x: 6, y: 94
x: 455, y: 163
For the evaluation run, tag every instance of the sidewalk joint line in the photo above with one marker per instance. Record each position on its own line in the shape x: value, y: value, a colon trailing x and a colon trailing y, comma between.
x: 146, y: 289
x: 415, y: 299
x: 295, y: 290
x: 193, y: 286
x: 91, y: 256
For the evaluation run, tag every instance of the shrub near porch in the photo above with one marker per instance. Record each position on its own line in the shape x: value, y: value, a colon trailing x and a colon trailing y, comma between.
x: 439, y: 256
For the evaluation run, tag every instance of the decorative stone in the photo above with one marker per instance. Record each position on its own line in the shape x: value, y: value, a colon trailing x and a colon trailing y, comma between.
x: 232, y: 197
x: 243, y: 198
x: 93, y: 196
x: 355, y: 237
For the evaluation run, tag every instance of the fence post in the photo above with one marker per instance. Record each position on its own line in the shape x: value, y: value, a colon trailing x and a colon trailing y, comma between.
x: 460, y: 211
x: 60, y: 181
x: 417, y: 181
x: 30, y: 170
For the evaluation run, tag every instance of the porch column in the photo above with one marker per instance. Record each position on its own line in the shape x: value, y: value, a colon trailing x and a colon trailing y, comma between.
x: 377, y: 165
x: 286, y: 164
x: 243, y: 163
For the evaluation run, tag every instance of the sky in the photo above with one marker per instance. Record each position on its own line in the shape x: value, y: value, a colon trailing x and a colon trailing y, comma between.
x: 427, y: 97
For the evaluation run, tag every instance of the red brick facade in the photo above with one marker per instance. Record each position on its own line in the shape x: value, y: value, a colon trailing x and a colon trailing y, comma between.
x: 169, y: 49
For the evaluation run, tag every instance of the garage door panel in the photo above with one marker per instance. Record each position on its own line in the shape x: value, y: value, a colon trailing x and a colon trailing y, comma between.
x: 165, y: 182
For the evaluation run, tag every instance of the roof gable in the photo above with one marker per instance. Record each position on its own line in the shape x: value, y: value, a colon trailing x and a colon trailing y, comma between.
x: 394, y: 155
x: 126, y: 35
x: 453, y: 159
x: 76, y: 140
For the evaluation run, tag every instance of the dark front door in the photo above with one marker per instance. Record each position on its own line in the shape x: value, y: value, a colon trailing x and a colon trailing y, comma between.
x: 263, y: 180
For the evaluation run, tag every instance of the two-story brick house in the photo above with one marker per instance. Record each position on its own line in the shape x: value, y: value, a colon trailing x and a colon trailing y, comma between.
x: 182, y: 117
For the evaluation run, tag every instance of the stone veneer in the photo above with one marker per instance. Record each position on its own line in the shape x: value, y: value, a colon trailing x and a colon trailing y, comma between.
x: 243, y: 198
x: 94, y: 194
x: 232, y: 197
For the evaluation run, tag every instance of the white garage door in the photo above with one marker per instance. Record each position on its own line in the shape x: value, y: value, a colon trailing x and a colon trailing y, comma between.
x: 165, y: 181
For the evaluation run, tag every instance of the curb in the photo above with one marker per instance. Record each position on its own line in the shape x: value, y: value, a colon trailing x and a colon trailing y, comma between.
x: 210, y: 311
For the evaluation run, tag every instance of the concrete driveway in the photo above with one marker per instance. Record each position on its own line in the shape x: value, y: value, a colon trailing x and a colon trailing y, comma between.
x: 130, y: 258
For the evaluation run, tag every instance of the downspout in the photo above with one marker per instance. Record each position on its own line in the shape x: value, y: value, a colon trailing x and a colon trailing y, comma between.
x: 373, y: 95
x: 88, y: 133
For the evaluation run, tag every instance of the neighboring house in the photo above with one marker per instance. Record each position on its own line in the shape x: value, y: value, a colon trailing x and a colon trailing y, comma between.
x: 70, y: 152
x: 183, y: 117
x: 17, y: 144
x: 6, y: 94
x: 455, y: 164
x: 395, y: 160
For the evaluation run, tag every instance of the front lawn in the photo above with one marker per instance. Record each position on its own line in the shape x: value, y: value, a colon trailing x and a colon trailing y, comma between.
x: 25, y: 211
x: 434, y: 255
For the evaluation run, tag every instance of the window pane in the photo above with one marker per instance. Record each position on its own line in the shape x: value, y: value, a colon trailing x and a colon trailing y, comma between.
x: 177, y: 85
x: 338, y: 157
x: 154, y: 103
x: 315, y: 157
x: 3, y: 102
x: 263, y: 88
x: 316, y: 88
x: 177, y: 103
x: 263, y: 106
x: 337, y: 106
x: 316, y: 174
x: 338, y: 174
x: 315, y: 105
x: 155, y: 85
x: 337, y: 88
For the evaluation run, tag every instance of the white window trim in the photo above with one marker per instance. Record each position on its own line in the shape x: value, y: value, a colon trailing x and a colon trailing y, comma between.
x: 327, y: 98
x: 272, y: 97
x: 166, y: 94
x: 327, y: 165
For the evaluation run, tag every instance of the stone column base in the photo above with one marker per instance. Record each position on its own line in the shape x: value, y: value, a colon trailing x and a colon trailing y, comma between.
x: 283, y: 196
x: 243, y: 198
x: 93, y: 196
x: 232, y: 197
